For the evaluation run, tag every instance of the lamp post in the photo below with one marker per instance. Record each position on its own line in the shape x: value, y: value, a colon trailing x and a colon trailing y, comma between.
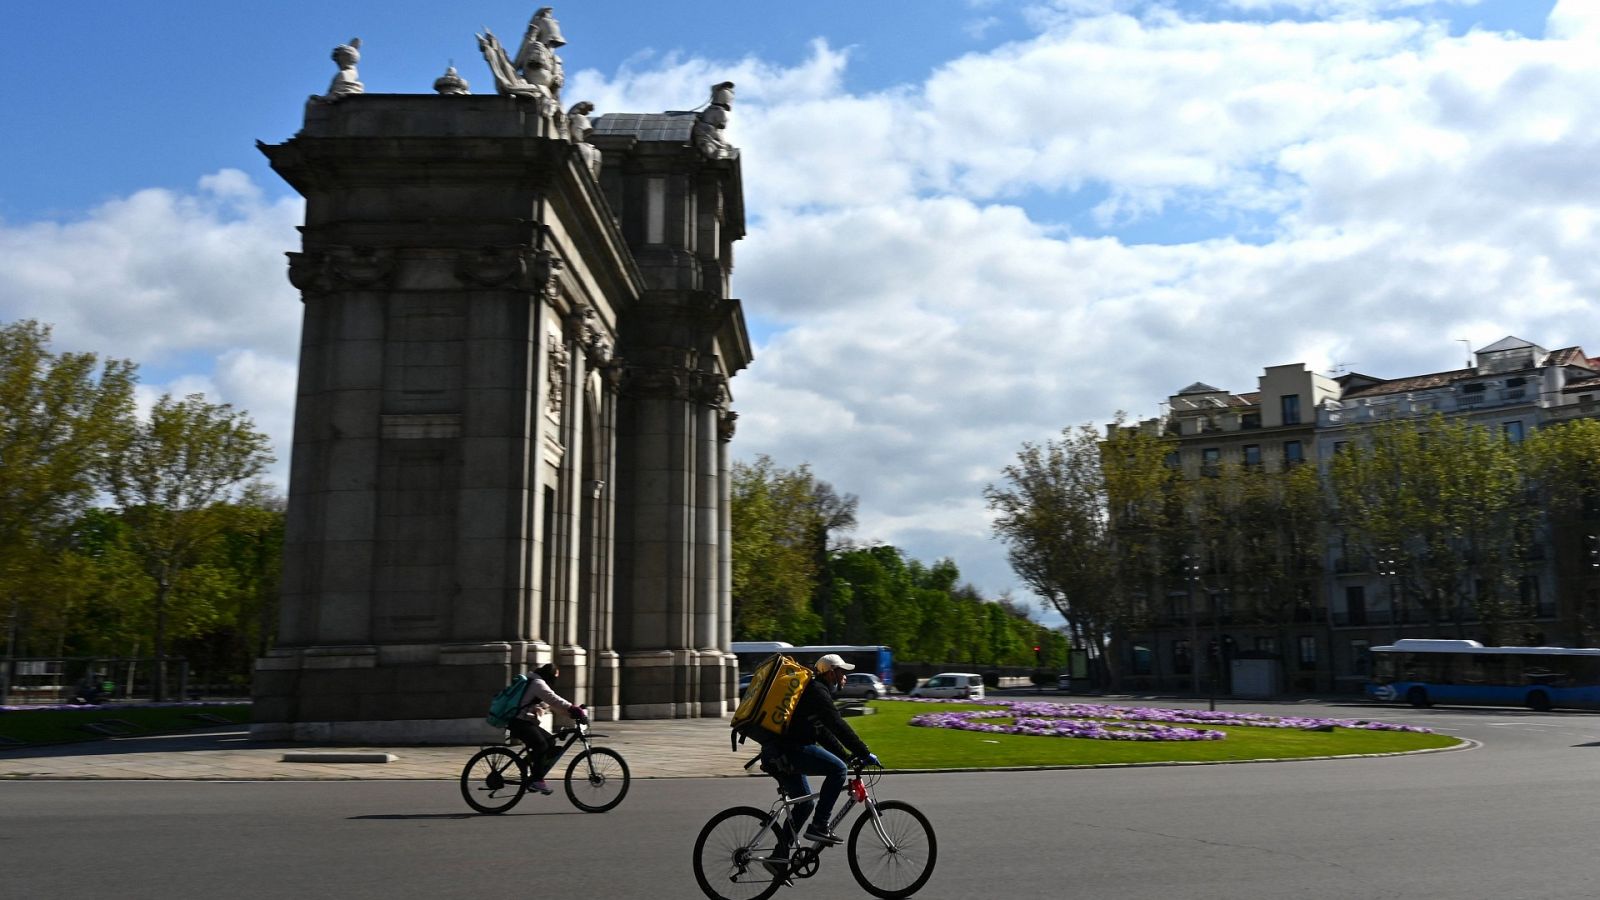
x: 1215, y: 662
x: 1389, y: 570
x: 1191, y: 571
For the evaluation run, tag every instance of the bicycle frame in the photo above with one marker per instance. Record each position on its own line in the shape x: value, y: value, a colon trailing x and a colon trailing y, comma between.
x: 577, y: 732
x: 857, y: 791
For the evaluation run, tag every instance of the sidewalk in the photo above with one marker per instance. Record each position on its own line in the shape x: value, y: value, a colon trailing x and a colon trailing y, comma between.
x: 670, y: 748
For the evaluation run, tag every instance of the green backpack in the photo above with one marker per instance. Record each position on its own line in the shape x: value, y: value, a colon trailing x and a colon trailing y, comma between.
x: 506, y: 704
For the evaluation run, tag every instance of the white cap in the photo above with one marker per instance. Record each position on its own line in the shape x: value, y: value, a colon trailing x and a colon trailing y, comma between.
x: 833, y: 661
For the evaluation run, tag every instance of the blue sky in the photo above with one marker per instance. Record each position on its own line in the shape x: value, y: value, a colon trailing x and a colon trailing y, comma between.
x: 973, y: 222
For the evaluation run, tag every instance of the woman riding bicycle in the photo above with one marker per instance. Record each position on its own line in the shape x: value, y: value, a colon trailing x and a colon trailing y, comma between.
x: 537, y: 697
x: 815, y: 743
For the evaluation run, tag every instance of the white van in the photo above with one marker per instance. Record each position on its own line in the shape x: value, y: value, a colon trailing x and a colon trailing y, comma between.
x: 951, y: 685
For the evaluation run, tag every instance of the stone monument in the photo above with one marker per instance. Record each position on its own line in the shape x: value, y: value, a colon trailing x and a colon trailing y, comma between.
x: 513, y: 409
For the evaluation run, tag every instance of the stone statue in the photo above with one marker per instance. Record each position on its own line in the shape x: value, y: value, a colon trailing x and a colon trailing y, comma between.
x: 451, y: 82
x: 535, y: 73
x: 543, y: 32
x: 346, y: 82
x: 712, y: 121
x: 578, y: 128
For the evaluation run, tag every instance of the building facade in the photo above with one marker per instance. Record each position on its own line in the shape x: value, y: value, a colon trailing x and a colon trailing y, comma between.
x: 1354, y: 601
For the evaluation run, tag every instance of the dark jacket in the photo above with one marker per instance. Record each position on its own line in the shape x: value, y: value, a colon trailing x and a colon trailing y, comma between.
x: 817, y: 721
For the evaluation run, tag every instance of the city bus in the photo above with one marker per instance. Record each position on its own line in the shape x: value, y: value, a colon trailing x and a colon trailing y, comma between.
x: 1424, y: 672
x: 874, y: 658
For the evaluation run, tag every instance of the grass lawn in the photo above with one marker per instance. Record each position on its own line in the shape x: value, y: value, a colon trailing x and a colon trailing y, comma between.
x: 60, y: 726
x: 902, y: 746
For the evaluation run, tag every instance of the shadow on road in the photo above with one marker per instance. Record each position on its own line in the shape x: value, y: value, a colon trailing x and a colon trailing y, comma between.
x: 504, y: 815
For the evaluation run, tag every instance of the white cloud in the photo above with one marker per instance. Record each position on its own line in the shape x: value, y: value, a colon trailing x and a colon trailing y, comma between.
x: 1408, y: 188
x: 189, y: 286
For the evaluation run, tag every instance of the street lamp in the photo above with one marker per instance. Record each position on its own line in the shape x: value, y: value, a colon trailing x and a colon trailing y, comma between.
x: 1191, y: 571
x: 1389, y: 571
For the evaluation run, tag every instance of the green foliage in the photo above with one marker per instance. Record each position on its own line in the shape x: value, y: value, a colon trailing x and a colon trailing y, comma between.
x: 1086, y: 526
x: 61, y: 418
x: 791, y: 582
x: 1441, y: 506
x: 172, y: 476
x: 781, y: 522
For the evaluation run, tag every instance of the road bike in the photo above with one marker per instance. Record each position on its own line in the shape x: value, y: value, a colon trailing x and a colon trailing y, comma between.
x: 496, y: 777
x: 891, y: 846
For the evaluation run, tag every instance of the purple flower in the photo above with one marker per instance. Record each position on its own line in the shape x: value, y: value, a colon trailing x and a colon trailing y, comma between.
x: 1118, y: 723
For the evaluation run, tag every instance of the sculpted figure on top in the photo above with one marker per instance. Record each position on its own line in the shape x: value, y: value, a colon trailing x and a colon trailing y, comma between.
x: 578, y: 128
x: 346, y: 82
x: 535, y: 72
x: 709, y: 125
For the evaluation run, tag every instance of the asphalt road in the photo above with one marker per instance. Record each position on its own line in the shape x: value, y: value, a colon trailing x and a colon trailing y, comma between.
x: 1514, y: 818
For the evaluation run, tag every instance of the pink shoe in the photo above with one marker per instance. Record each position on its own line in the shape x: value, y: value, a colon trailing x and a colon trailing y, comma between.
x: 541, y: 787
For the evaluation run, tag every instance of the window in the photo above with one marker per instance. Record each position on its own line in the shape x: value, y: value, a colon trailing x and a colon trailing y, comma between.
x: 1338, y: 447
x: 1266, y: 644
x: 1512, y: 431
x: 1182, y: 661
x: 1172, y: 459
x: 1293, y: 453
x: 1250, y: 420
x: 1308, y: 652
x: 1291, y: 409
x: 1532, y: 599
x: 1515, y: 389
x: 1252, y: 456
x: 1355, y: 604
x: 1210, y: 458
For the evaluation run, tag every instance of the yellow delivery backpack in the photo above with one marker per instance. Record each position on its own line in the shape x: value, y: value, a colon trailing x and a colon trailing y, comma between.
x: 770, y: 700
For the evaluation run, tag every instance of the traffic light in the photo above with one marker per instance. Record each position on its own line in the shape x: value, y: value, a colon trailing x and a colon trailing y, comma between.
x: 1038, y: 657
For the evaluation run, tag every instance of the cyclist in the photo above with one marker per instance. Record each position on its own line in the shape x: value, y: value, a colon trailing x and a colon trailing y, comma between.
x: 537, y: 697
x: 815, y: 743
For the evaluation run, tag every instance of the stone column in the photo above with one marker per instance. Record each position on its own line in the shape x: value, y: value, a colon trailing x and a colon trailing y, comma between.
x: 725, y: 429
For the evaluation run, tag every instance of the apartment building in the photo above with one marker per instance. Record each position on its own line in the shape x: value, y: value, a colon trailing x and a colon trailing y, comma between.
x: 1298, y: 416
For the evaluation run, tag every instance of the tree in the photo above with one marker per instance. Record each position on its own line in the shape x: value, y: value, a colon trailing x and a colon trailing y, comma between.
x: 1444, y: 502
x: 782, y: 523
x: 1564, y: 462
x: 61, y: 415
x: 172, y: 476
x: 1079, y: 517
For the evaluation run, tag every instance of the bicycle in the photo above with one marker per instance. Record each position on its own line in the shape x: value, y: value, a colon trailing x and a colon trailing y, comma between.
x: 892, y: 858
x: 496, y: 777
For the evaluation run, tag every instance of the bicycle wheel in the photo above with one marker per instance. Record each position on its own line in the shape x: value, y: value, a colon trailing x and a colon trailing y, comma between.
x: 493, y: 780
x: 728, y: 858
x: 903, y: 864
x: 597, y: 779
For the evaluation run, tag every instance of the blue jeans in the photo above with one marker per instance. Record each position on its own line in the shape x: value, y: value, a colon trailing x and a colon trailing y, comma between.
x: 812, y: 760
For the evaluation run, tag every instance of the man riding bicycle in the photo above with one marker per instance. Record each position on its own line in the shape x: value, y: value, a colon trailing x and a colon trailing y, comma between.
x: 815, y: 743
x: 538, y: 696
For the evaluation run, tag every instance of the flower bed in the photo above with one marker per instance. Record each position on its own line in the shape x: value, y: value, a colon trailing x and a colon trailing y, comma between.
x: 1120, y: 723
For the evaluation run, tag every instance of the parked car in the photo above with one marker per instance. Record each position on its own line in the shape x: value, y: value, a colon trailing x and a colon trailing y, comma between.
x: 1064, y: 682
x: 744, y: 681
x: 962, y: 685
x: 862, y: 684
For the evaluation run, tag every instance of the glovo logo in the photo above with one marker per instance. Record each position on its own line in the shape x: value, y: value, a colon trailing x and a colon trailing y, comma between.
x: 780, y: 716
